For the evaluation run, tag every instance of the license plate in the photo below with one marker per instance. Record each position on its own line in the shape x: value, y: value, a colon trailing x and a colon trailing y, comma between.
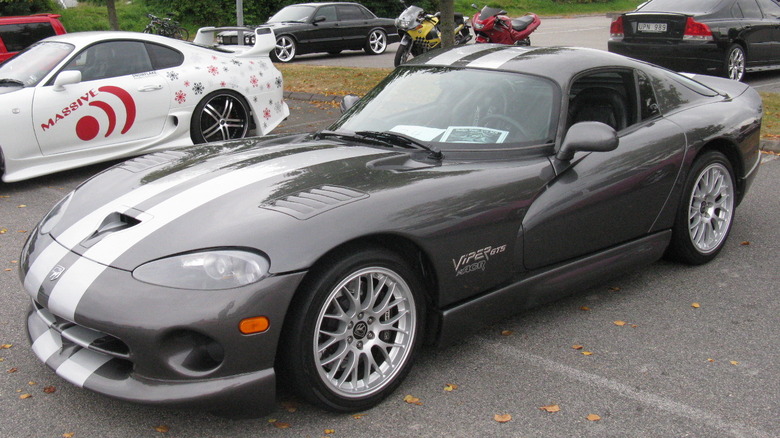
x: 652, y: 27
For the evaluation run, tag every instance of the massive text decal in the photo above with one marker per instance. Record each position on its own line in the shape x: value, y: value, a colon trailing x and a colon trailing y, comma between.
x: 88, y: 126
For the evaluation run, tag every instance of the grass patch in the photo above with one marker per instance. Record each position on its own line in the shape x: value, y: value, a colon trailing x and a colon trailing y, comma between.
x: 770, y: 128
x: 131, y: 16
x: 332, y: 81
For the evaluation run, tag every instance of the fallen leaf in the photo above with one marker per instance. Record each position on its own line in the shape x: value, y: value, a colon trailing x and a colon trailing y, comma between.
x: 614, y: 288
x: 734, y: 362
x: 24, y: 396
x: 49, y: 389
x: 634, y: 326
x: 710, y: 360
x: 6, y: 346
x: 550, y: 408
x: 450, y: 387
x: 593, y: 417
x: 21, y: 231
x: 2, y: 359
x: 695, y: 305
x: 502, y: 418
x: 585, y: 308
x: 358, y: 416
x: 31, y: 383
x: 68, y: 435
x: 22, y: 206
x: 329, y: 431
x: 577, y: 347
x: 412, y: 400
x: 281, y: 425
x: 162, y: 428
x: 745, y: 243
x: 620, y: 323
x: 506, y: 333
x: 290, y: 406
x: 3, y: 230
x: 587, y: 353
x: 12, y: 370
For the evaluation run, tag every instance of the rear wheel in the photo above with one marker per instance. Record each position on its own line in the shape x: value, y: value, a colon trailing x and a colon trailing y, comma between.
x: 376, y: 43
x: 354, y: 332
x: 735, y: 62
x: 706, y: 211
x: 221, y: 115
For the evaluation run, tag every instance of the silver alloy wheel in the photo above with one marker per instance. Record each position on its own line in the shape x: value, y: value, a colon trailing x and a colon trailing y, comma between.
x: 736, y: 63
x: 710, y: 208
x: 285, y: 49
x: 365, y: 332
x: 223, y: 117
x: 377, y: 42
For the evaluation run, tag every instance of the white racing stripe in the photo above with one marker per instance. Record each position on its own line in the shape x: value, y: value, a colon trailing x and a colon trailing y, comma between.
x: 40, y: 268
x: 71, y: 287
x: 497, y: 59
x: 47, y: 344
x: 452, y: 56
x: 77, y: 368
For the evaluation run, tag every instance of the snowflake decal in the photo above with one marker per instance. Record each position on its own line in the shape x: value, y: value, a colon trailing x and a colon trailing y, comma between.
x: 268, y: 85
x: 252, y: 62
x: 278, y: 107
x: 253, y: 80
x: 186, y: 83
x: 225, y: 69
x: 213, y: 70
x: 267, y: 113
x: 213, y: 57
x: 278, y: 82
x: 270, y: 101
x: 172, y: 75
x: 254, y: 99
x: 223, y: 84
x: 181, y: 96
x: 197, y: 88
x: 235, y: 61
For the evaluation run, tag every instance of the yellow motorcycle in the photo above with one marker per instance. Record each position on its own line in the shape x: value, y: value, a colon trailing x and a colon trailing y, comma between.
x: 420, y: 32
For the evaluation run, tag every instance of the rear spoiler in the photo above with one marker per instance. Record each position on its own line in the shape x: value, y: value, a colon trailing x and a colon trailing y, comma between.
x: 265, y: 40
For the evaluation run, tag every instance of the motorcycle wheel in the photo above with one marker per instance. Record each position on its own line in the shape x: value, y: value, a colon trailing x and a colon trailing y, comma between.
x: 525, y: 42
x: 402, y: 55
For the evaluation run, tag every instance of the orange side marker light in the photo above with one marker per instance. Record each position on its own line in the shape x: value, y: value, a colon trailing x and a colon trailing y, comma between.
x: 256, y: 324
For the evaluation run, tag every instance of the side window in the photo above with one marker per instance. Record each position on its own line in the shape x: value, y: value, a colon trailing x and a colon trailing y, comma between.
x: 606, y: 97
x: 769, y: 8
x: 329, y: 12
x: 18, y: 37
x: 111, y: 59
x: 349, y: 12
x: 163, y: 57
x: 750, y: 9
x: 367, y: 14
x: 736, y: 11
x: 648, y: 107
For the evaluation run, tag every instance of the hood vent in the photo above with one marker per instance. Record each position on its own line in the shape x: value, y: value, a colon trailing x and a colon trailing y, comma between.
x: 111, y: 224
x: 146, y: 162
x: 312, y: 202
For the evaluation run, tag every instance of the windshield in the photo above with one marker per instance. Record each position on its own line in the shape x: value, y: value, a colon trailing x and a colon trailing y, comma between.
x: 30, y: 66
x: 292, y: 13
x: 451, y: 108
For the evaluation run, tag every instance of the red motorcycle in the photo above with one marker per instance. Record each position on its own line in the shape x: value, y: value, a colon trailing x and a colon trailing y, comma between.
x: 491, y: 25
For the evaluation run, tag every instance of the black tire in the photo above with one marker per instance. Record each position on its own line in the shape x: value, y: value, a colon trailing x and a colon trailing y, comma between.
x: 181, y: 34
x: 285, y: 50
x: 376, y: 43
x: 735, y: 62
x: 380, y: 328
x: 402, y: 55
x: 706, y: 210
x: 221, y: 115
x: 148, y: 29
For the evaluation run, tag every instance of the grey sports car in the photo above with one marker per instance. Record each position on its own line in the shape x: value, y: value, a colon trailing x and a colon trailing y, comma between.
x: 468, y: 185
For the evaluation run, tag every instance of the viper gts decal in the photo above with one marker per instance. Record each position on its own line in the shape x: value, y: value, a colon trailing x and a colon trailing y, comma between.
x: 475, y: 260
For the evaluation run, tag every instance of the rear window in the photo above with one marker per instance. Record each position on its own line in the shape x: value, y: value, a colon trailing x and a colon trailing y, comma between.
x: 18, y: 37
x: 693, y: 7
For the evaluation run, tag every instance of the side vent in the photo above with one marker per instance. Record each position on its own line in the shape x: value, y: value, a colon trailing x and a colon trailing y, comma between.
x: 111, y: 224
x: 312, y: 202
x: 145, y: 162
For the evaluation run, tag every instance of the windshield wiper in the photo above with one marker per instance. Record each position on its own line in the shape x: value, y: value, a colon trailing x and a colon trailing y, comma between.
x: 392, y: 138
x: 11, y: 81
x: 386, y: 138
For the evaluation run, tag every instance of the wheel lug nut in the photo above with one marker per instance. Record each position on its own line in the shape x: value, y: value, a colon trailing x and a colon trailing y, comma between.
x: 370, y: 319
x: 360, y: 315
x: 349, y: 339
x: 360, y: 344
x: 370, y: 335
x: 349, y: 326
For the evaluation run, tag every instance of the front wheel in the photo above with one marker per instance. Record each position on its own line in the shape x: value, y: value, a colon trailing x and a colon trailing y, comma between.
x: 285, y: 49
x: 221, y: 115
x: 403, y: 54
x: 735, y: 62
x: 354, y: 331
x: 376, y: 43
x: 181, y: 34
x: 706, y: 210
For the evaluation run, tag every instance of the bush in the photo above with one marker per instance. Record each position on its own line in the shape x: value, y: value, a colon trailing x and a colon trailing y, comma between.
x: 26, y: 7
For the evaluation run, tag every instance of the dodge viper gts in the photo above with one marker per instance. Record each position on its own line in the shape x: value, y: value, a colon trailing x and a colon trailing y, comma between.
x: 468, y: 185
x: 86, y: 97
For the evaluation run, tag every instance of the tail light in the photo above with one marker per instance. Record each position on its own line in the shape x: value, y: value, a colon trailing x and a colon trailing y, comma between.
x: 695, y: 31
x: 616, y: 29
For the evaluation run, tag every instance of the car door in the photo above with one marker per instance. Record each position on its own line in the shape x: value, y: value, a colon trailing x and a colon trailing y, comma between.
x: 756, y: 31
x: 606, y: 198
x: 771, y: 12
x: 353, y: 25
x: 324, y: 33
x: 119, y: 100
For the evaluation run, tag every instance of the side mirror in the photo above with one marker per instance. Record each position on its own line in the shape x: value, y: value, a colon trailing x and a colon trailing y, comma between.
x: 66, y: 78
x: 348, y: 102
x: 587, y: 136
x: 318, y: 19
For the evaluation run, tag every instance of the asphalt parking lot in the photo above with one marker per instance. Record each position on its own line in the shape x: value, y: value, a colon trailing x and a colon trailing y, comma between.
x: 672, y: 370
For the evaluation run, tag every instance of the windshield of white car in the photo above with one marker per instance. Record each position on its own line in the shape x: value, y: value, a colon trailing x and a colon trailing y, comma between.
x: 31, y: 65
x: 459, y: 108
x: 297, y: 13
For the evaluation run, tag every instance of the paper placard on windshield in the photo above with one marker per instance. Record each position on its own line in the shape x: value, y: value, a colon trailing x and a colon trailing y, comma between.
x: 473, y: 134
x: 419, y: 132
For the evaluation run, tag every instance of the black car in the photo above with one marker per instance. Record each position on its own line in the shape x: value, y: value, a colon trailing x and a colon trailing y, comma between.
x: 325, y: 27
x: 721, y: 37
x: 468, y: 185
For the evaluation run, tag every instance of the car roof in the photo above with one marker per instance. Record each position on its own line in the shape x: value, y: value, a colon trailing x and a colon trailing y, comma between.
x: 557, y: 63
x: 323, y: 4
x: 81, y: 39
x: 34, y: 18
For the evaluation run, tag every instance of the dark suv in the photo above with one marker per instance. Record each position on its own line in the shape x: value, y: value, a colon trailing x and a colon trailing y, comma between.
x: 16, y: 33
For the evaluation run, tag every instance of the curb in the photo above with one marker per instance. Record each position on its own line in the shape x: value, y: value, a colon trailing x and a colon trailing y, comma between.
x: 770, y: 145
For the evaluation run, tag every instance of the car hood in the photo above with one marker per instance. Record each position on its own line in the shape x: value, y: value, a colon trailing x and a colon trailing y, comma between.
x: 223, y: 195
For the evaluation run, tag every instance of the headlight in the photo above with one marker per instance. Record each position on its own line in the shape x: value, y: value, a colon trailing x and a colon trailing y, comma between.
x: 478, y: 25
x: 208, y: 270
x: 53, y: 217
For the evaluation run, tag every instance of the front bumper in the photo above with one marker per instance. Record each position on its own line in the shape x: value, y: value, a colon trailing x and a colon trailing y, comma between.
x: 154, y: 345
x: 694, y: 57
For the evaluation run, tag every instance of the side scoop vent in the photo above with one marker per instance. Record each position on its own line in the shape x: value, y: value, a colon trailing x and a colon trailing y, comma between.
x: 111, y: 224
x: 312, y: 202
x: 145, y: 162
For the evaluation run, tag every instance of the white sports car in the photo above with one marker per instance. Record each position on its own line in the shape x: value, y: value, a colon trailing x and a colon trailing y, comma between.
x: 87, y: 97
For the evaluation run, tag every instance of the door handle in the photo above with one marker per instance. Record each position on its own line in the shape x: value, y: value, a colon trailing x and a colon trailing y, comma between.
x: 153, y: 87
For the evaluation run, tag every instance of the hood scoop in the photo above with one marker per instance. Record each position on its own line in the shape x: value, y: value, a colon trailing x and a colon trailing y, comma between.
x: 146, y: 162
x: 312, y: 202
x: 113, y: 223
